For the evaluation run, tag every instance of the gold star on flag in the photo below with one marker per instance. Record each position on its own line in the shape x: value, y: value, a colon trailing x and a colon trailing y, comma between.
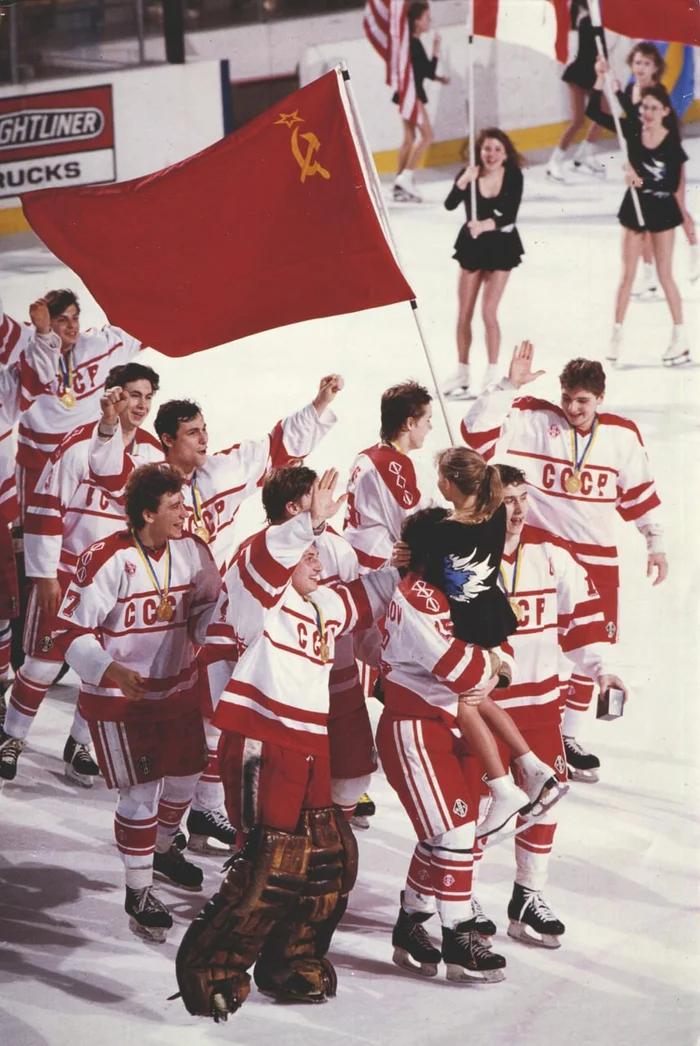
x: 289, y: 119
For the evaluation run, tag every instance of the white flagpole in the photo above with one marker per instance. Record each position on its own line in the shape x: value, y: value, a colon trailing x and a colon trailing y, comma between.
x: 597, y: 21
x: 472, y: 107
x: 375, y: 191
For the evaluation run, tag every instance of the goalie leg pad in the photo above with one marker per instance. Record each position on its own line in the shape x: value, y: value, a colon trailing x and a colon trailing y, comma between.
x: 292, y: 964
x: 264, y: 880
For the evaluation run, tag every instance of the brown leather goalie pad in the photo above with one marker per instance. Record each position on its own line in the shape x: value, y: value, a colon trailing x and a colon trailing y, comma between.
x: 292, y: 963
x: 263, y: 882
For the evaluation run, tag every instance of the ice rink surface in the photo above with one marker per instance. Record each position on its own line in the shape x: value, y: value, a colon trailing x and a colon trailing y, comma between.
x: 624, y: 872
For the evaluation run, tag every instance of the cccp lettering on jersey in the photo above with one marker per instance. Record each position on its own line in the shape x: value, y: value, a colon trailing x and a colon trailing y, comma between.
x: 147, y: 609
x: 309, y: 642
x: 533, y: 609
x: 555, y: 476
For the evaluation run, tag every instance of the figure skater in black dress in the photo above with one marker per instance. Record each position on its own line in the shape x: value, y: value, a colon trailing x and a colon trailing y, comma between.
x: 579, y: 76
x: 656, y: 159
x: 411, y: 151
x: 488, y: 247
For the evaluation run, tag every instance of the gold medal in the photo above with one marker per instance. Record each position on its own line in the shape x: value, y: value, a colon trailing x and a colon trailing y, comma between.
x: 68, y: 399
x: 517, y: 610
x: 572, y: 484
x: 325, y: 652
x: 165, y: 610
x: 202, y: 533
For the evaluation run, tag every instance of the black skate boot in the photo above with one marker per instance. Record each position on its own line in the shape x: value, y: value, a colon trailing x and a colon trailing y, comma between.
x: 411, y: 942
x: 11, y: 749
x: 148, y: 918
x: 468, y: 956
x: 532, y: 921
x: 363, y: 811
x: 583, y: 765
x: 204, y: 825
x: 80, y: 766
x: 482, y: 924
x: 171, y: 867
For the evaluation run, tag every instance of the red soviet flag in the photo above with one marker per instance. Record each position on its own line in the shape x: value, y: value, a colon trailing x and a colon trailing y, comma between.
x: 272, y: 225
x: 675, y: 20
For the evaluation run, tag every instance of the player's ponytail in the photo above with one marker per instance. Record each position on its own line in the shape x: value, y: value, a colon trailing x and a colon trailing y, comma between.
x: 473, y: 478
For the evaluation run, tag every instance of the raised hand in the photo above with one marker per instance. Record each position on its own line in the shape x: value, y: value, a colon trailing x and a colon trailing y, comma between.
x: 328, y: 389
x: 113, y: 404
x: 520, y: 371
x: 469, y: 174
x: 323, y: 503
x: 40, y: 317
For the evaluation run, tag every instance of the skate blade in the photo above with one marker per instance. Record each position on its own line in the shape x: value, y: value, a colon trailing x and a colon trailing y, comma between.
x: 403, y: 960
x: 678, y: 361
x: 84, y: 780
x: 209, y: 846
x: 459, y: 395
x: 458, y: 975
x: 583, y: 776
x: 552, y: 792
x: 151, y: 934
x: 360, y: 822
x: 178, y: 886
x: 526, y: 935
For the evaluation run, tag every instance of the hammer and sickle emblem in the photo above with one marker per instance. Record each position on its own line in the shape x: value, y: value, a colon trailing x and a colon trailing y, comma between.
x: 306, y: 161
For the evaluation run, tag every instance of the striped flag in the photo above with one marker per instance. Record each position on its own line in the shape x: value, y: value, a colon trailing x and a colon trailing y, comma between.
x: 385, y: 23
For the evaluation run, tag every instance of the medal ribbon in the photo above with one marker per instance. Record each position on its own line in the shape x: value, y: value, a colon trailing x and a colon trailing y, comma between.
x: 579, y: 463
x: 320, y: 621
x: 150, y: 569
x: 516, y: 574
x: 65, y: 366
x: 389, y: 443
x: 197, y: 502
x: 133, y: 445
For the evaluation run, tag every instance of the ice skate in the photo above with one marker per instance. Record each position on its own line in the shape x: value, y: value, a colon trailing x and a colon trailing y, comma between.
x: 11, y: 749
x: 468, y: 956
x: 648, y: 287
x: 615, y: 345
x: 301, y: 979
x: 493, y: 374
x: 583, y: 766
x: 407, y: 192
x: 555, y: 167
x: 678, y: 351
x: 148, y: 918
x: 457, y: 387
x: 590, y: 164
x: 532, y: 921
x: 482, y: 924
x: 540, y: 783
x: 80, y: 766
x: 205, y: 826
x: 171, y: 867
x: 363, y: 811
x: 508, y: 801
x: 412, y: 945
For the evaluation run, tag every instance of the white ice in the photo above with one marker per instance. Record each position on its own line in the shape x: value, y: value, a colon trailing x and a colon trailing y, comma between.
x: 624, y: 872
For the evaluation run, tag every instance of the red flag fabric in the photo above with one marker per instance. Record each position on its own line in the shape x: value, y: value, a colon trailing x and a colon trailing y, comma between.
x: 272, y: 225
x: 542, y: 25
x: 385, y: 23
x: 674, y: 20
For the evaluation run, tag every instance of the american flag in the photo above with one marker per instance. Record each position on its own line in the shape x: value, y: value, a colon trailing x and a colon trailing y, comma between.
x: 386, y: 27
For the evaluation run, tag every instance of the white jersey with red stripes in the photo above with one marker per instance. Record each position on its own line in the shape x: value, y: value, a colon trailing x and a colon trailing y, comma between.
x: 69, y: 510
x: 382, y: 491
x: 559, y: 610
x: 284, y: 643
x: 226, y: 478
x: 616, y: 476
x: 338, y: 557
x: 22, y: 379
x: 110, y: 613
x: 425, y: 667
x: 48, y: 419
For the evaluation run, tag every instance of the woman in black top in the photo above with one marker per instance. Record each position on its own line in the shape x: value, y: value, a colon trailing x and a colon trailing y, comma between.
x: 487, y: 248
x: 656, y: 159
x: 579, y: 76
x: 411, y: 151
